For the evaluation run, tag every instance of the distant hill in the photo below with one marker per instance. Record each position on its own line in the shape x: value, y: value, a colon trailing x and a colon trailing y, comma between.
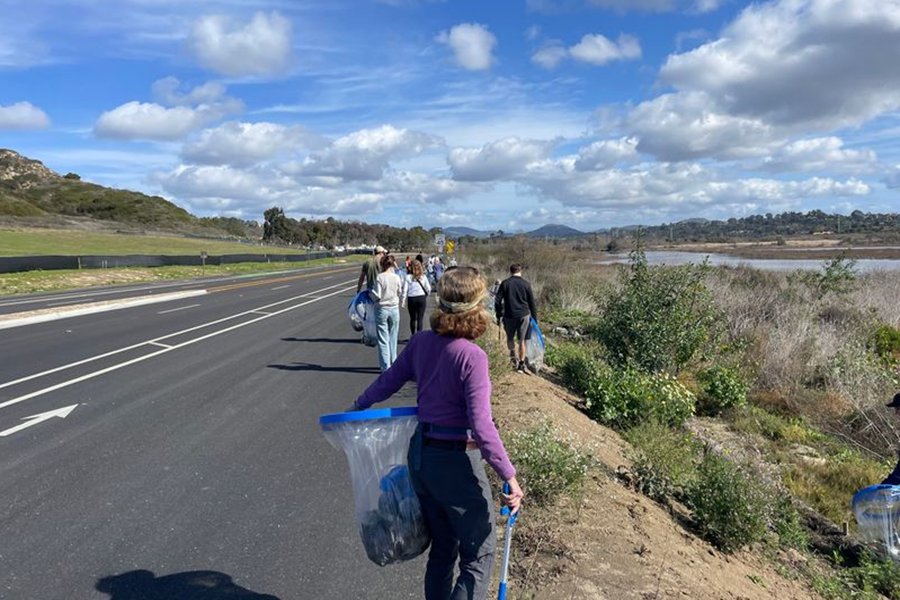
x: 457, y: 232
x: 30, y: 189
x: 554, y: 231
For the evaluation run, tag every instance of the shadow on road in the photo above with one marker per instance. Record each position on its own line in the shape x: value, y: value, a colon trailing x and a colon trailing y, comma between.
x: 323, y: 340
x: 300, y: 366
x: 190, y: 585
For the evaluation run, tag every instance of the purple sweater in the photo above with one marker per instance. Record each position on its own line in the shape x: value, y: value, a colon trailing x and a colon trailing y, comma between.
x: 454, y: 390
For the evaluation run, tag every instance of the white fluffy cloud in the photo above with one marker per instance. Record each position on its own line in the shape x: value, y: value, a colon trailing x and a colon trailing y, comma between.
x: 549, y: 56
x: 605, y: 154
x: 244, y: 144
x: 687, y: 126
x: 261, y: 46
x: 365, y: 154
x: 635, y: 5
x: 187, y: 112
x: 675, y: 188
x: 781, y: 69
x: 501, y: 159
x: 22, y: 116
x: 597, y: 49
x: 821, y: 154
x: 472, y: 45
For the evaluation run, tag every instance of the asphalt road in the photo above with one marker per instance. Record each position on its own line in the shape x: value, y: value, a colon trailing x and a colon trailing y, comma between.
x: 192, y: 457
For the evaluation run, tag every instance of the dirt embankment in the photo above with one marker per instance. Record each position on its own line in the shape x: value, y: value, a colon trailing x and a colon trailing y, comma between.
x: 614, y: 543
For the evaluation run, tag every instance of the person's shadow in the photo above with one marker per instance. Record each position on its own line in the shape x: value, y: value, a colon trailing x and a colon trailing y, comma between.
x: 189, y: 585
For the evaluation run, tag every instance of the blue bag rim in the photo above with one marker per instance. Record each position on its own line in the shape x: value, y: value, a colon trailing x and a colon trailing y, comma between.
x: 534, y: 327
x: 873, y: 488
x: 368, y: 415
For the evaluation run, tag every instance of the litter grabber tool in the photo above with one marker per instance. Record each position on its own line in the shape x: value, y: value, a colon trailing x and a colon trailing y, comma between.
x: 507, y: 543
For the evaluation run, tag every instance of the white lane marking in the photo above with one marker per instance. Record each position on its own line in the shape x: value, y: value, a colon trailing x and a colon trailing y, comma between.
x: 72, y: 301
x: 329, y: 277
x: 187, y: 283
x: 145, y: 342
x: 281, y: 287
x: 116, y: 367
x: 260, y: 312
x: 161, y: 345
x: 77, y: 310
x: 171, y: 310
x: 62, y: 413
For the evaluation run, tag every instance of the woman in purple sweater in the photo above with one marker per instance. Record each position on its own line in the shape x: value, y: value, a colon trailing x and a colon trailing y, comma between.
x: 455, y: 432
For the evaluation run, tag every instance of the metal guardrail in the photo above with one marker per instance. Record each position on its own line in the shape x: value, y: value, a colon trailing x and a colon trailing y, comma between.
x: 18, y: 264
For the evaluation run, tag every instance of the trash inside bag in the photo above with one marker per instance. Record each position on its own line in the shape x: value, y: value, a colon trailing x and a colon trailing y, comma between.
x: 390, y: 518
x: 362, y: 317
x: 877, y: 512
x: 534, y: 347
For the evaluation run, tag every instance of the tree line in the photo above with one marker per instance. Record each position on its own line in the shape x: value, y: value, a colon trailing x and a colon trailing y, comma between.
x: 330, y: 233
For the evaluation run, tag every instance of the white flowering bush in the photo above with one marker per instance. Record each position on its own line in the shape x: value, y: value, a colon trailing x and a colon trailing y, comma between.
x: 625, y: 397
x: 548, y: 463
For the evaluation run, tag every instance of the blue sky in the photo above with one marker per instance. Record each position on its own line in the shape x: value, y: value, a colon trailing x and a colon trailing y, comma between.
x: 507, y: 114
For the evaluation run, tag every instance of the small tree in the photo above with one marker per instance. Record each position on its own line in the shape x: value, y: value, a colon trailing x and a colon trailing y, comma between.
x: 661, y: 318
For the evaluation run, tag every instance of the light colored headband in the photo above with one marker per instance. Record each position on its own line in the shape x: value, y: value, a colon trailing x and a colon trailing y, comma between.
x: 459, y: 307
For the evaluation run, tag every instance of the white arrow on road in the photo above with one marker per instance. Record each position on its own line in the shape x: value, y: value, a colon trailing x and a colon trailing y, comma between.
x: 62, y: 413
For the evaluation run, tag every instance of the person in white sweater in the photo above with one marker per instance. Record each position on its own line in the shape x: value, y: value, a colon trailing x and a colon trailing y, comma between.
x: 387, y: 294
x: 416, y: 293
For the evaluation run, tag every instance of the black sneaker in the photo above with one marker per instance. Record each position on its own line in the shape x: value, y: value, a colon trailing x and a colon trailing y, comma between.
x: 521, y: 367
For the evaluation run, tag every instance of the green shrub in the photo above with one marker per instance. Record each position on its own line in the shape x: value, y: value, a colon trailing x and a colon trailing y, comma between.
x: 885, y: 343
x: 660, y: 319
x: 575, y: 363
x: 548, y: 464
x: 663, y: 460
x: 786, y: 523
x: 721, y: 388
x: 729, y: 506
x: 622, y: 398
x: 873, y: 577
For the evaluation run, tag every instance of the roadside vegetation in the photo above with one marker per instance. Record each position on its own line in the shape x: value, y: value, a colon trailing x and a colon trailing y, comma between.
x: 47, y: 281
x: 753, y: 402
x: 38, y: 242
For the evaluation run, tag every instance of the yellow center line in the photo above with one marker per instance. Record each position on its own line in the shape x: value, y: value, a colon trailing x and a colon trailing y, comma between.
x: 238, y: 286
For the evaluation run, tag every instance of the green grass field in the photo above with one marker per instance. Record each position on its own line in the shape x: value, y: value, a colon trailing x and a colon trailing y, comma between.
x: 47, y: 281
x: 36, y: 242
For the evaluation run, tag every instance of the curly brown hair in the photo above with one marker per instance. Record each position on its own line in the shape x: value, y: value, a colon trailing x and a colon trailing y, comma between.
x: 457, y: 288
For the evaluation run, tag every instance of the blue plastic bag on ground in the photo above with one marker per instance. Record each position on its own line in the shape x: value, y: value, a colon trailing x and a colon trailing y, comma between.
x: 362, y: 317
x: 534, y: 347
x: 877, y: 512
x: 391, y: 524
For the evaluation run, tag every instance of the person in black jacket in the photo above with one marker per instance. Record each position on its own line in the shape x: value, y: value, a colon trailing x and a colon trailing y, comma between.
x: 894, y: 477
x: 515, y: 306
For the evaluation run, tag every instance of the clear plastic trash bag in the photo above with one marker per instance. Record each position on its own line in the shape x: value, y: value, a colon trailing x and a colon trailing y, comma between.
x: 877, y: 512
x: 362, y: 317
x: 534, y: 346
x: 388, y: 512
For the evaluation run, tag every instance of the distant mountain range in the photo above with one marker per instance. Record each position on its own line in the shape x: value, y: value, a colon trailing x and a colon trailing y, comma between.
x: 552, y: 231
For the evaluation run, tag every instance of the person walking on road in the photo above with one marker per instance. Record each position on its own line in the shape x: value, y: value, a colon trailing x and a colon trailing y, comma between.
x: 455, y: 432
x: 438, y: 269
x: 515, y: 306
x: 417, y: 289
x: 370, y: 270
x: 386, y: 293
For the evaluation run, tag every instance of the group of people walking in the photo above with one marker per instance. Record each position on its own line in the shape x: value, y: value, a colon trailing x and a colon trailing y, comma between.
x: 393, y: 290
x: 456, y: 434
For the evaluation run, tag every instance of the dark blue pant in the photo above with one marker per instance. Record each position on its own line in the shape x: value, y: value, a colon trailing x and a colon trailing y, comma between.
x: 458, y: 507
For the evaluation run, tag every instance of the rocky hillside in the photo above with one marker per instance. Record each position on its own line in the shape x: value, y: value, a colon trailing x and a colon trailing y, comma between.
x: 29, y: 191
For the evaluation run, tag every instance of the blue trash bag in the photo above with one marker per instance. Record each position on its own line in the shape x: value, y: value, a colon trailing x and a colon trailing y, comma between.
x: 534, y: 347
x: 391, y: 524
x: 362, y: 317
x: 877, y: 512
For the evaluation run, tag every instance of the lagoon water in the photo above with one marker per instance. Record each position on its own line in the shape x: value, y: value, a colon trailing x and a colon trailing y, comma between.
x: 674, y: 257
